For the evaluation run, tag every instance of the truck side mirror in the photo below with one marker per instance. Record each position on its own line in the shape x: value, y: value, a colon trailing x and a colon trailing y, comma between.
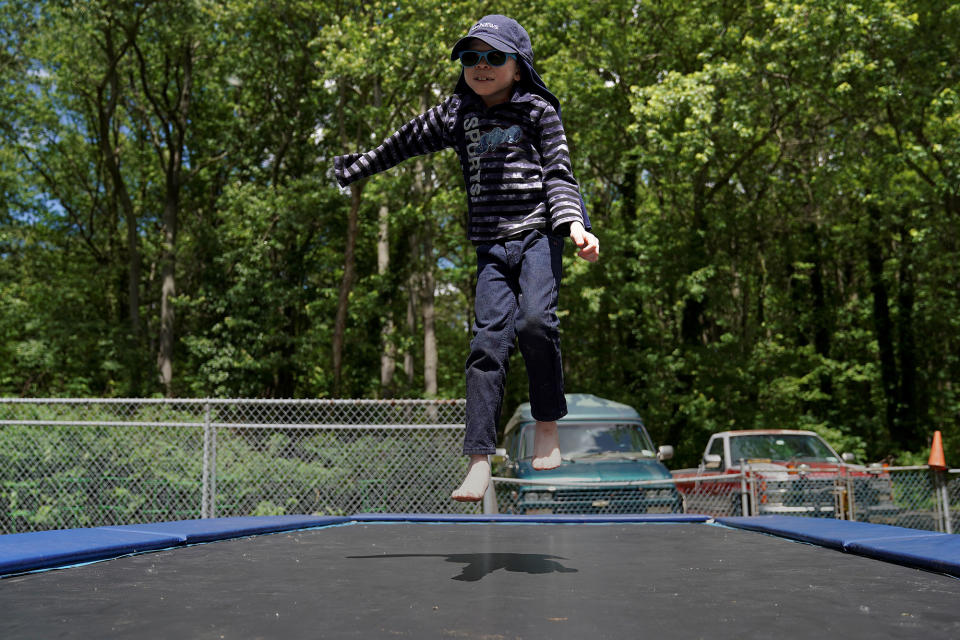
x: 848, y: 457
x: 712, y: 461
x: 665, y: 452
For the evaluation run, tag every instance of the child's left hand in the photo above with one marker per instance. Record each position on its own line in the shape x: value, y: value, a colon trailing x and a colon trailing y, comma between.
x: 587, y: 242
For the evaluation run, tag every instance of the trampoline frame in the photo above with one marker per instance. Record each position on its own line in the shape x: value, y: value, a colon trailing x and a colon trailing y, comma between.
x: 22, y: 553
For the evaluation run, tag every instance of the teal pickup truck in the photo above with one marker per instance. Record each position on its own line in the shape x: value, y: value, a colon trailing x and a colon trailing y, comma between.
x: 600, y: 441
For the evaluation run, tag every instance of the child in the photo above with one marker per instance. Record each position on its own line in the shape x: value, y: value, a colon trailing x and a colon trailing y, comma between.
x: 522, y: 199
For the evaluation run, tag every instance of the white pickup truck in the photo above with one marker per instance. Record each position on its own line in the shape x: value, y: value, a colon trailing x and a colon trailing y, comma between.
x: 786, y: 472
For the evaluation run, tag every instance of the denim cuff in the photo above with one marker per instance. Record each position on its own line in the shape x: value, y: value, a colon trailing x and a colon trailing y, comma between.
x: 479, y: 452
x: 555, y: 416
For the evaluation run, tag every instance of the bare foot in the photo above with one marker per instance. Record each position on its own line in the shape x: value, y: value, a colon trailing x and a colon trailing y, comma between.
x: 546, y: 447
x: 475, y: 484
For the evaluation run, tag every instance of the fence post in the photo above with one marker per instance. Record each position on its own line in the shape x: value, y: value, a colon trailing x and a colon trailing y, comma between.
x: 941, y: 501
x: 490, y: 498
x: 839, y: 506
x: 209, y: 482
x: 947, y: 519
x: 944, y: 498
x: 938, y: 465
x: 213, y: 463
x: 851, y: 492
x: 744, y: 492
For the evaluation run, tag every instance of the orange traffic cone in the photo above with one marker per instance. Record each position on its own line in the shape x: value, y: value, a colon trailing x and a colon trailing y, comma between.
x: 936, y: 460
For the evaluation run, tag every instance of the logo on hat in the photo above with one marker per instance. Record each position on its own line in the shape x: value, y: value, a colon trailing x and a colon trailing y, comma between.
x: 485, y: 25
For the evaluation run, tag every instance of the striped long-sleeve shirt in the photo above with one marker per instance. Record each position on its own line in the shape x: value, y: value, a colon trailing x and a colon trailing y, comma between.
x: 514, y: 156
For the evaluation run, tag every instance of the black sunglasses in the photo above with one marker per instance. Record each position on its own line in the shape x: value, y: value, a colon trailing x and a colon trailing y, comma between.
x: 492, y: 57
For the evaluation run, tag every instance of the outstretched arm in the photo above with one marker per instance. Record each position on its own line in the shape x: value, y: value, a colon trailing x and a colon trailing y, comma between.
x: 424, y: 134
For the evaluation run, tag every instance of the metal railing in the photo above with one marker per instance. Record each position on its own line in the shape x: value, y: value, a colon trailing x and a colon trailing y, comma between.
x: 77, y: 463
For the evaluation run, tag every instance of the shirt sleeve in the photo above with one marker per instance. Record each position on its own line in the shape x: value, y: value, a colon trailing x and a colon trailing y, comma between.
x: 428, y: 132
x: 564, y: 203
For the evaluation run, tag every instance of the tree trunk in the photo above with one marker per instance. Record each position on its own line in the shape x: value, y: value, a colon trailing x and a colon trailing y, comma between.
x: 427, y: 280
x: 108, y: 96
x: 413, y: 292
x: 133, y: 279
x: 629, y: 187
x: 428, y: 312
x: 168, y: 100
x: 388, y: 353
x: 409, y: 367
x: 176, y: 121
x: 346, y: 285
x: 908, y: 414
x: 694, y: 309
x: 822, y: 311
x: 168, y: 288
x: 883, y: 326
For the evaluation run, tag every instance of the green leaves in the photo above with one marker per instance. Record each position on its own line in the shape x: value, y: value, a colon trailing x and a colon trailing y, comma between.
x: 775, y: 186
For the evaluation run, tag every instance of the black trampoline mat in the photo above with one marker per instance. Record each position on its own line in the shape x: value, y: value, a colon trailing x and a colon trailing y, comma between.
x: 488, y: 581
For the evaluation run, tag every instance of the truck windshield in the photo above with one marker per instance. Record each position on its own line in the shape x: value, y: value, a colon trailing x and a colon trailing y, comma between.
x: 797, y: 447
x: 597, y: 439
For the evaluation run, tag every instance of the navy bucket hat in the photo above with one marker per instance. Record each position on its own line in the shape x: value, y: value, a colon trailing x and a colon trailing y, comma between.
x: 506, y: 34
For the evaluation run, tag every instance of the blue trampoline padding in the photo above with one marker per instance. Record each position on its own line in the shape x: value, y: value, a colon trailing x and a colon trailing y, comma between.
x: 826, y: 532
x: 45, y: 549
x: 536, y: 519
x: 210, y: 529
x: 939, y: 552
x: 20, y: 552
x: 912, y: 547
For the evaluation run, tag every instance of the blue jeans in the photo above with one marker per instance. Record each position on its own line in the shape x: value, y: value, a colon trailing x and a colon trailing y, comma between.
x: 518, y: 281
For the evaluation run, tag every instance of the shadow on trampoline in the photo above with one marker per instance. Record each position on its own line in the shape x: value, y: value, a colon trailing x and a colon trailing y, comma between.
x: 480, y: 565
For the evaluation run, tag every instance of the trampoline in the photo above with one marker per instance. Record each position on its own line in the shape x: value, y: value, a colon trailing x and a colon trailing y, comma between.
x: 482, y: 577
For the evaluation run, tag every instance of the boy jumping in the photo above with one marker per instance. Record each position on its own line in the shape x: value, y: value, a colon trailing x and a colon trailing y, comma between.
x: 522, y: 200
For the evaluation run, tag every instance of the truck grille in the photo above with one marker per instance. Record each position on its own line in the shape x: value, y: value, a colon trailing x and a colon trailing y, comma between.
x: 602, y: 500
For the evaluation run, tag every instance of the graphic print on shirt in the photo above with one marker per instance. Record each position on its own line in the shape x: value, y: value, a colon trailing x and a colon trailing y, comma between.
x: 493, y: 139
x: 471, y: 130
x: 478, y: 144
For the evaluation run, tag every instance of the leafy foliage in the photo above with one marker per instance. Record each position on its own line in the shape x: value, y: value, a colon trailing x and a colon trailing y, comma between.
x: 775, y: 186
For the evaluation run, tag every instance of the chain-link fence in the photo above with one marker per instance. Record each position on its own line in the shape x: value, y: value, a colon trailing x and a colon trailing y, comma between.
x: 913, y: 497
x: 717, y: 495
x: 930, y: 499
x: 900, y: 496
x: 81, y: 463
